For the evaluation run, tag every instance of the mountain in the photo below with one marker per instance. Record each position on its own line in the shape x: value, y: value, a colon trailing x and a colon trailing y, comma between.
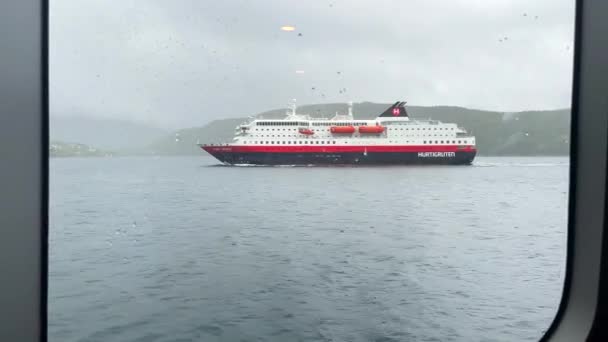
x: 185, y: 140
x: 104, y: 133
x: 523, y: 133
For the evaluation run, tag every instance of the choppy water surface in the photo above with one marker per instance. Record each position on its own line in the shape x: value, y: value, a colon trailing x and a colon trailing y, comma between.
x: 180, y: 249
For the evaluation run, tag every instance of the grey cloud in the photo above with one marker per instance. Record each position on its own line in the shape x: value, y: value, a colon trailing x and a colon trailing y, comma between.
x: 182, y: 63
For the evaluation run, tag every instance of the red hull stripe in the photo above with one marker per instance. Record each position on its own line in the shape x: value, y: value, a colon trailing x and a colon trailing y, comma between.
x: 336, y: 149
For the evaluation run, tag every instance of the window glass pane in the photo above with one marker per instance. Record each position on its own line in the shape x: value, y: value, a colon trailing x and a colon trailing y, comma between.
x: 162, y: 229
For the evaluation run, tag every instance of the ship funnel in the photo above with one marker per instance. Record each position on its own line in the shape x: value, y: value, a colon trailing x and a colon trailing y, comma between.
x: 396, y: 110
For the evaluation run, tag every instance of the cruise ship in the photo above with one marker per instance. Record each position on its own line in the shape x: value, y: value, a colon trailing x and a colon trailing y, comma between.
x: 390, y: 138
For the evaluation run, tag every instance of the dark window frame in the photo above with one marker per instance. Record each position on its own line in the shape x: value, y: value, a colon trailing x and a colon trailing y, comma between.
x: 585, y: 297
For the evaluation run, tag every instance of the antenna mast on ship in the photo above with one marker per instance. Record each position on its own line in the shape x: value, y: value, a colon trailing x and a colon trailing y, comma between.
x: 293, y: 107
x: 291, y: 111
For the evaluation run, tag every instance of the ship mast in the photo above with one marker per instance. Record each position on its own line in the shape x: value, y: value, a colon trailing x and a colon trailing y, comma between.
x: 291, y: 110
x: 293, y: 107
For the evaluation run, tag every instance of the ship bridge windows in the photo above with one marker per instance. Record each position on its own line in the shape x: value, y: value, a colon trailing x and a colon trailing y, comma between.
x: 281, y: 123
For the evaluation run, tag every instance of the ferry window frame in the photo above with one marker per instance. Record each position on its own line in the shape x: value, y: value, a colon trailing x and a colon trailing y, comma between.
x: 26, y: 165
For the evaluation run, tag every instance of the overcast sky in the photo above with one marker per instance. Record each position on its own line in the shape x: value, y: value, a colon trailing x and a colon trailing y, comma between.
x: 175, y: 63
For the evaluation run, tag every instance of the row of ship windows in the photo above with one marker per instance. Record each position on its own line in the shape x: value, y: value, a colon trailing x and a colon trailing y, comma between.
x: 339, y: 123
x: 418, y: 129
x: 390, y: 128
x: 300, y: 123
x: 281, y: 123
x: 322, y: 142
x: 361, y: 136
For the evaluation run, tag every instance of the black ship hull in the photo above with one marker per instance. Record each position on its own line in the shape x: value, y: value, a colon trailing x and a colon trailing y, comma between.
x: 237, y: 157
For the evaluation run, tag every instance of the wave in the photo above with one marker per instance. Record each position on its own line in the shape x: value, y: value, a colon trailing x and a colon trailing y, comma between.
x: 519, y: 164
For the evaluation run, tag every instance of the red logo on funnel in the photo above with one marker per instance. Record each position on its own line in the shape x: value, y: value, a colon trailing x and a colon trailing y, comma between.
x: 396, y: 111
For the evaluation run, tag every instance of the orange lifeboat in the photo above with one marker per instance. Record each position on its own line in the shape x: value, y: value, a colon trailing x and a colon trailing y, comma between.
x: 306, y: 131
x: 342, y: 129
x: 371, y: 129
